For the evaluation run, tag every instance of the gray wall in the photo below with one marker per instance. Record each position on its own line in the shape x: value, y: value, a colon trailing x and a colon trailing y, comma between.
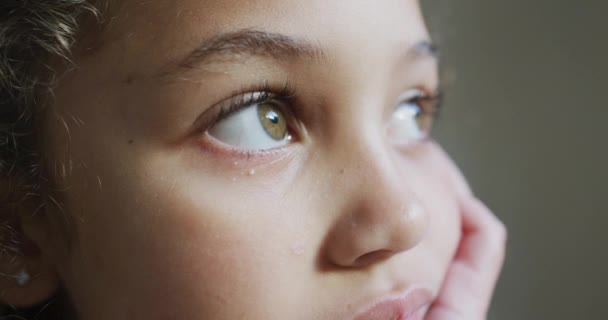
x: 526, y: 119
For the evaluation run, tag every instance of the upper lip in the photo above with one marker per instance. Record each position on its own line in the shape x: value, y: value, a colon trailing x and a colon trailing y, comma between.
x: 397, y: 306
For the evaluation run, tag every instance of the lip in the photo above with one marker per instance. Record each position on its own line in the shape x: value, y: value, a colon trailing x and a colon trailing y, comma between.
x: 405, y: 306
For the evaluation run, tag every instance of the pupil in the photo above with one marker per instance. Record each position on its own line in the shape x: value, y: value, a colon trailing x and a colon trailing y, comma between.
x: 272, y: 117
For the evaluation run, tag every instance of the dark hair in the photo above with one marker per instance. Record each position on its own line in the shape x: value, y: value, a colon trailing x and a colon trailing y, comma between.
x: 33, y: 33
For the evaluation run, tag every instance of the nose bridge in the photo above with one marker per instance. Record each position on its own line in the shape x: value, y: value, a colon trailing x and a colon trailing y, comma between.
x: 382, y: 216
x: 378, y: 180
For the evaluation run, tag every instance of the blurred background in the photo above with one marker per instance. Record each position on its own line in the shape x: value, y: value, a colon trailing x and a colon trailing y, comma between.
x: 526, y: 119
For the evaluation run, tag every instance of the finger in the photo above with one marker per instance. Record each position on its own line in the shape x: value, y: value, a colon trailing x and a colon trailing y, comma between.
x: 471, y: 279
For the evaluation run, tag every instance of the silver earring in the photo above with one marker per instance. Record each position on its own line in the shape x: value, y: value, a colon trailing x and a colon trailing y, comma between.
x: 23, y: 278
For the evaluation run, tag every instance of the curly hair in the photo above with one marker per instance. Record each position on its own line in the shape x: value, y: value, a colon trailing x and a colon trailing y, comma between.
x: 32, y: 34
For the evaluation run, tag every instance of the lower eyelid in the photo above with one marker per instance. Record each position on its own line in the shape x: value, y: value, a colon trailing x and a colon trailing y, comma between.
x: 213, y: 145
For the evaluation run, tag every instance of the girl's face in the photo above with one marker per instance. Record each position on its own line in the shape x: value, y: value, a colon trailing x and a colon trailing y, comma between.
x: 243, y: 159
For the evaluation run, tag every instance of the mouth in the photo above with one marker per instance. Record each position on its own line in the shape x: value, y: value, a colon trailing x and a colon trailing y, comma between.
x: 409, y: 305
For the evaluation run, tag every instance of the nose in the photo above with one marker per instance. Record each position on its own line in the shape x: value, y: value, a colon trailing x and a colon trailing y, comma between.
x: 381, y: 217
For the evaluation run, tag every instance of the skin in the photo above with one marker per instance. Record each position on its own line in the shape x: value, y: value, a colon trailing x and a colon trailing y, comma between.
x: 167, y: 225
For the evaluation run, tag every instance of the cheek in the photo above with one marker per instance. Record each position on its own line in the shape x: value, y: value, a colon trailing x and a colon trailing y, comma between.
x: 228, y: 255
x: 432, y: 180
x: 442, y: 199
x: 210, y: 265
x: 444, y: 228
x: 209, y: 244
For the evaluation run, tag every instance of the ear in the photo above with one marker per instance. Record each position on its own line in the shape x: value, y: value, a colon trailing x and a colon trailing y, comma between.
x: 27, y: 274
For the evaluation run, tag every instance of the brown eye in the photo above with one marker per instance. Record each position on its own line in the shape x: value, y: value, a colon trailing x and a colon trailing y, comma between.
x: 413, y: 118
x: 256, y: 126
x: 423, y: 119
x: 272, y: 120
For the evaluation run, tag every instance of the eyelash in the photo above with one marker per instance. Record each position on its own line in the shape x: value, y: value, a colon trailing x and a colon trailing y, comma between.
x: 287, y: 93
x: 435, y: 100
x: 258, y: 95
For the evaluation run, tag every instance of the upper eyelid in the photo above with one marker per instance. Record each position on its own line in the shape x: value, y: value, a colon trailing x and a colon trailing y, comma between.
x: 422, y: 95
x: 237, y: 103
x: 233, y: 104
x: 414, y: 93
x: 248, y: 97
x: 255, y: 97
x: 265, y: 91
x: 242, y: 100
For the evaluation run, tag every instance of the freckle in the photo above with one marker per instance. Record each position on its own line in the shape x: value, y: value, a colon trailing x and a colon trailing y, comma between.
x: 341, y: 171
x: 252, y: 172
x: 131, y: 141
x: 129, y: 79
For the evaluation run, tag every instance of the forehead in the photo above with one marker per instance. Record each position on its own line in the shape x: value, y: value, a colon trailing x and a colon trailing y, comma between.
x: 156, y: 31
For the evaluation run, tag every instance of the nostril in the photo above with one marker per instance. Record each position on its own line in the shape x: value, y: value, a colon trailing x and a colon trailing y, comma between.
x: 373, y: 257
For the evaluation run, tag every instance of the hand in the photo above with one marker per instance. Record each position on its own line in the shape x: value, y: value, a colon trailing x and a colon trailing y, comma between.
x: 471, y: 278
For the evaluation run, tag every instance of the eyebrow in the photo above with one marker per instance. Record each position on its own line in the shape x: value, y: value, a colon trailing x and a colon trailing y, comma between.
x: 278, y: 46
